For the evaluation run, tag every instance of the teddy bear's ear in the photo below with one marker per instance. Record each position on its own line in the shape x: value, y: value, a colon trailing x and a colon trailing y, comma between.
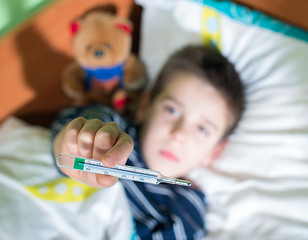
x: 75, y: 26
x: 125, y: 26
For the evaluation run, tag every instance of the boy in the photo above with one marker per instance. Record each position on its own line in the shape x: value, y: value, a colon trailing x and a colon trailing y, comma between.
x: 194, y: 105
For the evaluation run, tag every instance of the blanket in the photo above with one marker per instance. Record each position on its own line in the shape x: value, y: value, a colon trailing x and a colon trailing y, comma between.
x: 37, y: 202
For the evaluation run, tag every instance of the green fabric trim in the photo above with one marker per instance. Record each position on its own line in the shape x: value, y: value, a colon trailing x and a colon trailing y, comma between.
x: 249, y: 16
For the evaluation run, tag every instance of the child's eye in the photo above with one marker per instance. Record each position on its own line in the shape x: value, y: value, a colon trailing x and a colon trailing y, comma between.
x: 202, y: 130
x: 172, y: 111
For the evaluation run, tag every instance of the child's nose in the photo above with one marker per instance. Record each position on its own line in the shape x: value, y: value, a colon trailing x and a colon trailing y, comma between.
x: 179, y: 131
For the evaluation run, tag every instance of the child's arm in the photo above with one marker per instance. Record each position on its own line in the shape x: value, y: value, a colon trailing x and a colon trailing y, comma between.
x: 93, y: 139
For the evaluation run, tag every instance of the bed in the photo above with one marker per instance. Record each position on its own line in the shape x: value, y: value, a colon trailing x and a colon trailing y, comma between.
x: 258, y: 188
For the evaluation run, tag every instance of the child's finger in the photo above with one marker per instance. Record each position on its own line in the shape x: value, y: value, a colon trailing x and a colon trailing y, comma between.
x: 119, y: 153
x: 105, y: 180
x: 87, y: 135
x: 71, y: 135
x: 105, y: 139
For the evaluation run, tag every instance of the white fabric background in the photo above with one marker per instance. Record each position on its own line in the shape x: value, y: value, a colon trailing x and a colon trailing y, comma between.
x: 25, y: 157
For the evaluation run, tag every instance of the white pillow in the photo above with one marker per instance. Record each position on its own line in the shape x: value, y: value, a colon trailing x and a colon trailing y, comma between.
x: 258, y: 189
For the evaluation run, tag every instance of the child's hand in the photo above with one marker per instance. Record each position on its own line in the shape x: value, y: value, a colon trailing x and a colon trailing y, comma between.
x: 94, y: 139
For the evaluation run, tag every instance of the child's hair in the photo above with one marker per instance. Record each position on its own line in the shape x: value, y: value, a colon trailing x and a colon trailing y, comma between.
x: 211, y: 66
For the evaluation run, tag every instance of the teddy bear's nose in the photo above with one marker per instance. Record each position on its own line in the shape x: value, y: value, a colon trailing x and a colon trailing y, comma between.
x: 98, y: 53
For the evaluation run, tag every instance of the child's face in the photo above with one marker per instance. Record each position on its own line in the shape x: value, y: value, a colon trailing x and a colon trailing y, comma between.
x: 183, y: 126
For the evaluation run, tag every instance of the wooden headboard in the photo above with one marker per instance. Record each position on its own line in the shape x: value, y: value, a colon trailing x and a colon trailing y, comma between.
x: 34, y: 54
x: 290, y: 11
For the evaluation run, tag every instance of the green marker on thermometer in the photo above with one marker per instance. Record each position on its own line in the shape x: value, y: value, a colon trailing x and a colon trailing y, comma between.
x: 119, y: 171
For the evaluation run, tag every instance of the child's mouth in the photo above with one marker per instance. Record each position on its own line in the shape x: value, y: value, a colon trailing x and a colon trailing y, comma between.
x: 169, y: 156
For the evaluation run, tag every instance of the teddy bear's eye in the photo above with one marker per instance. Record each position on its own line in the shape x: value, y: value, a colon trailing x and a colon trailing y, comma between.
x: 108, y: 45
x: 98, y: 53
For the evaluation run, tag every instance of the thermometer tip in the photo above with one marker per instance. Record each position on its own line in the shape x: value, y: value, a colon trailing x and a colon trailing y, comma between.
x: 176, y: 181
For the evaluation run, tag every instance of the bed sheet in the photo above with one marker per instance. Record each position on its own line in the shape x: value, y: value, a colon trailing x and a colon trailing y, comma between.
x: 37, y: 202
x: 257, y: 189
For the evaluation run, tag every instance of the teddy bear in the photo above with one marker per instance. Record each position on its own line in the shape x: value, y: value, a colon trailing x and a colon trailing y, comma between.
x: 104, y: 69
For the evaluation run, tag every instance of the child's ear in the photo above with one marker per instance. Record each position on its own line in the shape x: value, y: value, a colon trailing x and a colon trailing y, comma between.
x: 218, y: 149
x: 144, y: 102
